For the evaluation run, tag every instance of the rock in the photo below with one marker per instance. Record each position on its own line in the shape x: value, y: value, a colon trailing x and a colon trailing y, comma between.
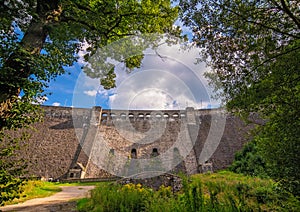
x: 174, y: 181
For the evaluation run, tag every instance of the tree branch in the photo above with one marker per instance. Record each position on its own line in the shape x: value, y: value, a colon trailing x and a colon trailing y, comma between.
x: 289, y: 13
x: 261, y: 24
x: 276, y: 56
x: 118, y: 21
x: 65, y: 19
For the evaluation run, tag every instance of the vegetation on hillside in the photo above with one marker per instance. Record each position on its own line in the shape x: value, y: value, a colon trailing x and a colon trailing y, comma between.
x: 224, y: 191
x: 253, y: 49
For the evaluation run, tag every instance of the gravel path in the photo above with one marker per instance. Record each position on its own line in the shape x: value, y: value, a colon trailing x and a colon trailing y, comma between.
x: 60, y: 201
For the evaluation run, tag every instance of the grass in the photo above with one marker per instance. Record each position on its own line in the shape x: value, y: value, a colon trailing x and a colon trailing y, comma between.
x: 223, y: 191
x: 35, y: 189
x: 239, y: 192
x: 38, y: 189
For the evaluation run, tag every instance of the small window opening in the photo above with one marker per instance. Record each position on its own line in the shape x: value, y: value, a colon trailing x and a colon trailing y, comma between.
x: 104, y: 116
x: 158, y: 116
x: 154, y: 152
x: 133, y: 153
x: 111, y: 152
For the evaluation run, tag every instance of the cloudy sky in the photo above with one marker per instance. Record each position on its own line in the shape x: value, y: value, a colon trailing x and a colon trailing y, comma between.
x: 167, y: 79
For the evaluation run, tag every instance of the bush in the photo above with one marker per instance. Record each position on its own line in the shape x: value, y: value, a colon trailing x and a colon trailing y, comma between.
x: 249, y: 161
x: 224, y: 191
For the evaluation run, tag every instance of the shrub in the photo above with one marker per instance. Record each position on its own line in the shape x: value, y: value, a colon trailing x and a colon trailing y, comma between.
x: 224, y: 191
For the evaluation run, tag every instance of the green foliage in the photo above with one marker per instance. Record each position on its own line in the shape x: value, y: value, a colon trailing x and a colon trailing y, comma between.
x: 10, y: 167
x: 253, y: 48
x: 224, y: 191
x: 60, y: 29
x: 280, y: 146
x: 39, y: 38
x: 16, y: 115
x: 34, y: 189
x: 10, y: 185
x: 249, y: 161
x: 116, y: 198
x: 129, y: 50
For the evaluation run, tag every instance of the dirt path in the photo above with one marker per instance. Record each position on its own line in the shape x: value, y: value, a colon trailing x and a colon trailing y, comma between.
x: 60, y: 201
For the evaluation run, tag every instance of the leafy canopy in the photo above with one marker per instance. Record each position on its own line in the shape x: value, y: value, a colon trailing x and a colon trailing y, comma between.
x: 253, y: 48
x: 38, y: 38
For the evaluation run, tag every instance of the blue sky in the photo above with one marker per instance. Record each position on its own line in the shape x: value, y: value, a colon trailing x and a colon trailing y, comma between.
x: 171, y: 82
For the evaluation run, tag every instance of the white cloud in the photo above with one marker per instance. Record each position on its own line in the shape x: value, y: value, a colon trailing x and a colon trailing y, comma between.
x: 56, y: 104
x: 39, y: 100
x: 173, y: 81
x: 90, y: 92
x: 104, y: 92
x: 153, y: 99
x: 157, y: 89
x: 82, y: 52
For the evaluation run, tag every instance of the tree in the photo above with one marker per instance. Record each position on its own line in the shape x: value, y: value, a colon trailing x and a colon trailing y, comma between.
x: 59, y: 28
x: 248, y: 161
x: 38, y: 38
x: 253, y: 49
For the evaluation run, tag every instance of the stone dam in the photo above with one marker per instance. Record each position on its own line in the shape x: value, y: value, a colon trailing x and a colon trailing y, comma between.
x: 74, y: 143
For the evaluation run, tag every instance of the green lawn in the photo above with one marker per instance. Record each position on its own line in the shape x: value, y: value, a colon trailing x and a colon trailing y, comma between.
x: 38, y: 189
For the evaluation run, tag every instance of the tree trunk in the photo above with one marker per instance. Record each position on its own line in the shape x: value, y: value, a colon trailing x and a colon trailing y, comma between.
x: 17, y: 68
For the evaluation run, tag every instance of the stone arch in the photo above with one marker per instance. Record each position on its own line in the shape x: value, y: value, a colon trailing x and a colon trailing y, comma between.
x: 113, y: 115
x: 131, y: 116
x: 123, y: 115
x: 148, y: 116
x: 141, y: 116
x: 175, y: 115
x: 104, y: 116
x: 133, y: 153
x: 166, y: 115
x: 154, y: 152
x: 158, y: 115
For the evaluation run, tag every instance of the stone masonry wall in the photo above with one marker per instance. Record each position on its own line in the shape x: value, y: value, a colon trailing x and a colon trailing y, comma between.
x: 93, y: 139
x: 121, y: 133
x: 50, y: 150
